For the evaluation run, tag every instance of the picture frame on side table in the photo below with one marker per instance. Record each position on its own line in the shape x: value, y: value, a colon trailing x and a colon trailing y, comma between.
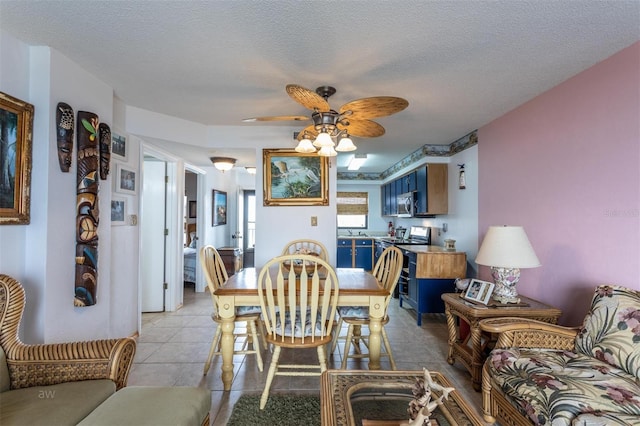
x: 118, y: 211
x: 125, y: 181
x: 294, y: 179
x: 16, y: 124
x: 479, y: 291
x: 219, y: 208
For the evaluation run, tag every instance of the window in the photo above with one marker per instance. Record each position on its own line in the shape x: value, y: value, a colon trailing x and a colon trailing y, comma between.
x: 353, y: 209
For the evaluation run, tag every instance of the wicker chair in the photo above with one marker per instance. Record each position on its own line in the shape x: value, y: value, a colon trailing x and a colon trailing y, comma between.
x: 298, y: 302
x: 306, y: 246
x: 216, y: 275
x: 387, y: 270
x: 51, y: 364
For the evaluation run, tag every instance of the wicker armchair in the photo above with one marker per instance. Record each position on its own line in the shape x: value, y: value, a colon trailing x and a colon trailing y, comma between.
x: 50, y: 364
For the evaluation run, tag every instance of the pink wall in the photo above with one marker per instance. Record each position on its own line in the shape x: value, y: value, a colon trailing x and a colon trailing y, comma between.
x: 565, y: 166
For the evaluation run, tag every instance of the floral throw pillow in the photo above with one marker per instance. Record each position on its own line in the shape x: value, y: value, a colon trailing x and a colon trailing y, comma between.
x: 611, y: 329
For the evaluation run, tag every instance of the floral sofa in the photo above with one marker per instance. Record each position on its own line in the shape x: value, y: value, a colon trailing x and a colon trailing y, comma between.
x: 545, y: 374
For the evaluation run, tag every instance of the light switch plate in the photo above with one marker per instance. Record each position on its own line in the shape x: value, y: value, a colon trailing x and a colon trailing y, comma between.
x: 314, y: 220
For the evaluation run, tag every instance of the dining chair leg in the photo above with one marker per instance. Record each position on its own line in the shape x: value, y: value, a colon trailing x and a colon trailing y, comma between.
x: 263, y: 333
x: 212, y: 351
x: 387, y: 347
x: 347, y: 346
x: 272, y: 372
x: 336, y: 336
x: 256, y: 343
x: 322, y: 358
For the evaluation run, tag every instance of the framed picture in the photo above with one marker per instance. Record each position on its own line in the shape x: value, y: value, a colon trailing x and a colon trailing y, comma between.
x: 16, y: 133
x: 192, y: 209
x: 479, y: 291
x: 118, y: 211
x: 119, y: 146
x: 295, y: 179
x: 219, y: 210
x: 125, y: 180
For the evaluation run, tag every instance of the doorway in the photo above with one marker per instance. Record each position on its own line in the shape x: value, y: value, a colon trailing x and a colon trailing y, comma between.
x: 249, y: 227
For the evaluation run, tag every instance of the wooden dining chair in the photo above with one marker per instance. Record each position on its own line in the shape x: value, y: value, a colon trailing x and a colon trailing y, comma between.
x: 387, y: 271
x: 298, y: 297
x: 306, y: 246
x: 216, y: 275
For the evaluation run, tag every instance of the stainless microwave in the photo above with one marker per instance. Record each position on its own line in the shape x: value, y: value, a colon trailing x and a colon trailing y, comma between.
x: 406, y: 204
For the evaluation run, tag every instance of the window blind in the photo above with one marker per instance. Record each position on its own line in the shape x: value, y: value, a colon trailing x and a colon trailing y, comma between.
x: 353, y: 202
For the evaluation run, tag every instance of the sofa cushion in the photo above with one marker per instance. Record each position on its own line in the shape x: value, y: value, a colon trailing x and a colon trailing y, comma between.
x: 62, y: 404
x: 611, y: 329
x: 152, y: 406
x: 606, y: 419
x: 5, y: 380
x: 554, y: 387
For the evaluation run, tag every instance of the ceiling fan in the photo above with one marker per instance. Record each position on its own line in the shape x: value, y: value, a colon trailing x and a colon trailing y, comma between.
x: 353, y: 118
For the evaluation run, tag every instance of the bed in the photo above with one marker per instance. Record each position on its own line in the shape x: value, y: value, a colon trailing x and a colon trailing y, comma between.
x: 190, y: 255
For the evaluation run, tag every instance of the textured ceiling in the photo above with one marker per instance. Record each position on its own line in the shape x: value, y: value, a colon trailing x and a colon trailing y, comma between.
x: 460, y: 64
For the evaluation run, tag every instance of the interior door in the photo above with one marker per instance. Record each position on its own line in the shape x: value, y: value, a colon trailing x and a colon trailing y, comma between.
x: 249, y: 226
x: 153, y: 236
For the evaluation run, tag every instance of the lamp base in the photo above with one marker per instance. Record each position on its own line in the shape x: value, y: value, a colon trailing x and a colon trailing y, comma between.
x: 506, y: 280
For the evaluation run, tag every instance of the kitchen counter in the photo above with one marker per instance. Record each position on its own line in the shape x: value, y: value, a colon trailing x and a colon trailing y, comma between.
x: 437, y: 262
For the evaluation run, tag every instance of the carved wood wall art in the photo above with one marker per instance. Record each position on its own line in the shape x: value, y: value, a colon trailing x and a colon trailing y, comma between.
x: 105, y: 149
x: 64, y: 124
x: 87, y: 210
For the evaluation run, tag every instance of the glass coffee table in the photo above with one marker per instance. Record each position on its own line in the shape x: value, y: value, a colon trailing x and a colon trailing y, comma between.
x: 377, y: 398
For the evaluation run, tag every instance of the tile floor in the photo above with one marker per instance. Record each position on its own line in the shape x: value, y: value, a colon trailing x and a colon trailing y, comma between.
x: 173, y: 347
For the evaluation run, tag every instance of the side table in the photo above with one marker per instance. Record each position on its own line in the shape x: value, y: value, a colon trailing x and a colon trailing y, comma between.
x: 469, y: 349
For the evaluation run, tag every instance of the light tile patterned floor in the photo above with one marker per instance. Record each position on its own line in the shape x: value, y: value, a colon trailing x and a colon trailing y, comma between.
x: 173, y: 347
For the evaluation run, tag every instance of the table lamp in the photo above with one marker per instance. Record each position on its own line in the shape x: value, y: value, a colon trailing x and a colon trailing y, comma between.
x: 506, y: 249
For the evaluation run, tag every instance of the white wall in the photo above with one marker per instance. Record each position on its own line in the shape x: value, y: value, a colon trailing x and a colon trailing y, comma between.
x: 42, y: 255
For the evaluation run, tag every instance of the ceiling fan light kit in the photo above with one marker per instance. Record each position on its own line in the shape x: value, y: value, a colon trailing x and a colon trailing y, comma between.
x: 223, y: 163
x: 330, y: 125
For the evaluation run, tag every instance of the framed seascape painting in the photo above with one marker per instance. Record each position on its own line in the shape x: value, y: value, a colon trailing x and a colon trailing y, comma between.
x: 16, y: 132
x: 295, y: 179
x: 219, y: 208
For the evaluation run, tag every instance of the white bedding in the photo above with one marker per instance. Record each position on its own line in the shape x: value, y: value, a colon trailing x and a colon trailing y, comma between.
x: 190, y: 261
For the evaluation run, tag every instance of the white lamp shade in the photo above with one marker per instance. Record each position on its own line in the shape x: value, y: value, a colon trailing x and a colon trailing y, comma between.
x: 323, y: 140
x: 345, y: 144
x: 327, y: 151
x: 305, y: 146
x: 507, y: 247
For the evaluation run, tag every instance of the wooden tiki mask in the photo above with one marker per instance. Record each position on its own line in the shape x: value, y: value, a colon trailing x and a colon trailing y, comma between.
x: 64, y: 124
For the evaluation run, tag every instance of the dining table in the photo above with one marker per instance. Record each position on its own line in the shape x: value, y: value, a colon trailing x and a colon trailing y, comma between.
x: 356, y: 287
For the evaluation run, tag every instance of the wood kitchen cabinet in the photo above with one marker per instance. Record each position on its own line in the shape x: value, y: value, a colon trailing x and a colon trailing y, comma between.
x: 432, y: 272
x: 433, y: 193
x: 355, y: 253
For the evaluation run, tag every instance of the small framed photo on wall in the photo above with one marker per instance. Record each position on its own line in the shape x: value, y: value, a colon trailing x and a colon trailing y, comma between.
x: 479, y: 291
x: 125, y: 180
x: 219, y: 210
x: 118, y: 211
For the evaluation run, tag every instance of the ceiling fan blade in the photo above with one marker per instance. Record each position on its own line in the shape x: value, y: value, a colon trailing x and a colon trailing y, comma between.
x: 378, y: 106
x: 278, y: 118
x: 312, y: 133
x: 362, y: 128
x: 307, y: 98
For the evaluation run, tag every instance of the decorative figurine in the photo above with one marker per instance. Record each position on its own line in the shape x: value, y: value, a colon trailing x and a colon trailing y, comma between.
x: 105, y: 149
x: 64, y: 124
x: 421, y: 408
x: 87, y: 211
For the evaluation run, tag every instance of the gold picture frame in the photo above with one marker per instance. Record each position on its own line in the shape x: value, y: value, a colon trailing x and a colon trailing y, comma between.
x: 16, y: 131
x: 294, y: 179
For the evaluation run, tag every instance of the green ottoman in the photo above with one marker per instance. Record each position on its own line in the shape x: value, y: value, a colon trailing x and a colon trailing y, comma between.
x: 153, y: 406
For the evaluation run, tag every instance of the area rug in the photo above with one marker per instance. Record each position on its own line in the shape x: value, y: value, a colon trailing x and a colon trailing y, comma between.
x: 282, y: 410
x: 295, y: 410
